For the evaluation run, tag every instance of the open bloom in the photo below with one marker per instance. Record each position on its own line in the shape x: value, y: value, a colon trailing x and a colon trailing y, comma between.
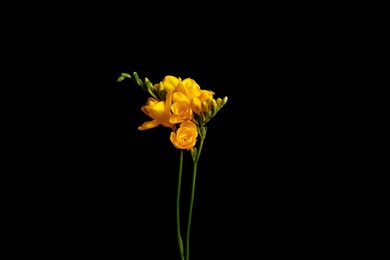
x: 185, y: 136
x: 181, y: 108
x: 189, y: 88
x: 182, y: 103
x: 159, y: 111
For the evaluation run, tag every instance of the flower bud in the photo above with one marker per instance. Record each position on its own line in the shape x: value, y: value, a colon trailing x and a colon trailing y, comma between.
x: 135, y: 76
x: 149, y: 85
x: 224, y: 101
x: 159, y: 88
x: 219, y: 101
x: 205, y: 106
x: 162, y: 95
x: 150, y: 88
x: 215, y: 107
x: 193, y: 153
x: 203, y: 131
x: 202, y: 118
x: 208, y: 114
x: 123, y: 76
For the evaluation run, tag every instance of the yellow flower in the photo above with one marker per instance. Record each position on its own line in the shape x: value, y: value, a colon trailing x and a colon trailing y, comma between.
x: 195, y: 95
x: 181, y: 109
x: 159, y: 111
x: 185, y: 136
x: 169, y: 83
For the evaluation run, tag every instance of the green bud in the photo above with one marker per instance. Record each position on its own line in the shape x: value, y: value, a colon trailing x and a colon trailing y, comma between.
x: 135, y: 76
x: 138, y: 80
x: 203, y: 118
x: 224, y: 101
x: 123, y: 76
x: 193, y: 153
x: 208, y: 114
x: 162, y: 94
x: 148, y: 84
x: 203, y: 131
x: 149, y: 88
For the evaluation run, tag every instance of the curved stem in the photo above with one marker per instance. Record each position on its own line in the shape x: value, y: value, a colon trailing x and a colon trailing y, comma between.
x: 180, y: 241
x: 192, y: 199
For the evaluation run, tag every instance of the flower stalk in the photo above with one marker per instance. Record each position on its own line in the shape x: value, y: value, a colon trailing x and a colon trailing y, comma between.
x: 185, y: 108
x: 194, y: 170
x: 180, y: 241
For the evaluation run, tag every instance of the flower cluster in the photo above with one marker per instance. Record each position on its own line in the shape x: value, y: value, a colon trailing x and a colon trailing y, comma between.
x: 185, y: 108
x: 180, y: 105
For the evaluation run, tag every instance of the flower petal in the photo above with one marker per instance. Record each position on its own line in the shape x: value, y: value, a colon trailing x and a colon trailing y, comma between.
x: 170, y: 82
x: 148, y: 125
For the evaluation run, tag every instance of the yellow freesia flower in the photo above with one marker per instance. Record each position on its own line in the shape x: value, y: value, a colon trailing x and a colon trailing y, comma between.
x: 185, y: 136
x: 159, y: 111
x: 169, y: 83
x: 194, y: 94
x: 174, y: 101
x: 181, y: 108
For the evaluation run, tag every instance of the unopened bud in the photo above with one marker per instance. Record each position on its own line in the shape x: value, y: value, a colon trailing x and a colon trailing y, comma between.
x: 205, y: 106
x: 208, y: 114
x: 148, y: 84
x: 123, y: 76
x: 160, y: 86
x: 203, y: 118
x: 203, y: 131
x: 149, y: 88
x: 193, y: 153
x: 224, y: 101
x: 215, y: 106
x: 135, y: 77
x: 162, y: 94
x: 219, y: 101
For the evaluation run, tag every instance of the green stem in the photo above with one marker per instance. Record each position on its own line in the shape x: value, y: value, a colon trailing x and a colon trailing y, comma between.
x: 192, y: 199
x: 180, y: 241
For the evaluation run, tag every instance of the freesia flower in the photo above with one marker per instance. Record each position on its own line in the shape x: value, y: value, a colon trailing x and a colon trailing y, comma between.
x: 184, y: 107
x: 185, y: 136
x: 159, y: 111
x: 169, y: 83
x: 194, y: 94
x: 181, y: 108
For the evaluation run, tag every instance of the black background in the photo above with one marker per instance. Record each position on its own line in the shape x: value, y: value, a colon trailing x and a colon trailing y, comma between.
x: 112, y: 188
x: 97, y: 186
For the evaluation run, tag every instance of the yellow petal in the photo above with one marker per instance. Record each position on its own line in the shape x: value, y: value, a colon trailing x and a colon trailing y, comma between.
x: 190, y: 125
x: 168, y: 102
x: 170, y: 82
x: 157, y: 111
x: 178, y: 96
x: 148, y: 125
x: 196, y: 105
x: 192, y: 88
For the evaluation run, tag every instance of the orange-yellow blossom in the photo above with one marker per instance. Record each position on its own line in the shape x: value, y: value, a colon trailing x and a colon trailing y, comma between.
x: 181, y: 108
x: 159, y: 111
x: 194, y: 94
x: 185, y: 136
x: 169, y: 83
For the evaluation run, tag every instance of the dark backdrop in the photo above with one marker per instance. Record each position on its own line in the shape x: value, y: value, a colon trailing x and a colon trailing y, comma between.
x: 102, y: 186
x: 258, y: 180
